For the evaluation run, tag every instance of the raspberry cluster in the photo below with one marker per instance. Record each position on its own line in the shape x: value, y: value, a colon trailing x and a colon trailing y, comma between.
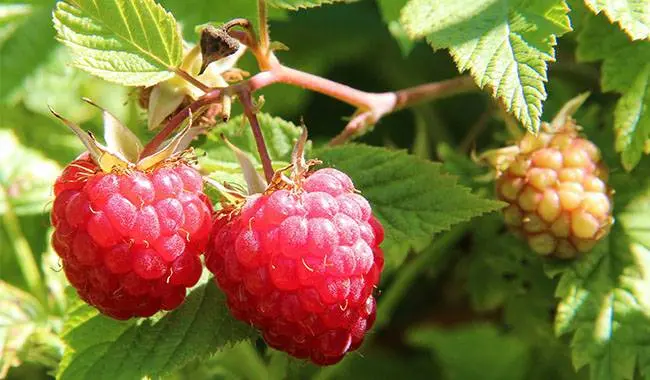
x: 130, y: 242
x: 300, y: 264
x: 556, y: 188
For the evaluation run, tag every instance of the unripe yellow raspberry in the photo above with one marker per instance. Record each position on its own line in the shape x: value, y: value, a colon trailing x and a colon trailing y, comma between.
x: 556, y: 189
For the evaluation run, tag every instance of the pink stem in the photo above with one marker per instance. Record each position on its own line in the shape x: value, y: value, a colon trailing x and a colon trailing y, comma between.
x: 373, y: 105
x: 431, y: 91
x: 344, y: 93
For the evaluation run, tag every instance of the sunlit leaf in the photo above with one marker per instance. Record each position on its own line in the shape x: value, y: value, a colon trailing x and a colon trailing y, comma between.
x: 135, y: 43
x: 506, y: 45
x: 626, y: 69
x: 632, y: 15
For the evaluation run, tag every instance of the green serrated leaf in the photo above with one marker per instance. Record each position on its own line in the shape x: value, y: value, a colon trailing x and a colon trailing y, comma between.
x: 134, y: 43
x: 301, y: 4
x: 411, y: 197
x: 626, y: 69
x: 239, y: 361
x: 605, y: 299
x: 222, y: 163
x: 26, y: 177
x: 505, y: 45
x: 104, y: 348
x: 632, y: 120
x: 632, y: 15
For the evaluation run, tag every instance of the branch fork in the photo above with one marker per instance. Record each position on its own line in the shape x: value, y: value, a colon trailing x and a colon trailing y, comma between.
x: 371, y: 107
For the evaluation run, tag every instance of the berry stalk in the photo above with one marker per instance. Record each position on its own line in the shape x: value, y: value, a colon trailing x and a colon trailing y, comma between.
x: 378, y: 103
x: 247, y: 102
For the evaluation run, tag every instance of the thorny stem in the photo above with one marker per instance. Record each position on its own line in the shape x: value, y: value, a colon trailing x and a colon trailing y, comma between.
x: 249, y: 110
x: 435, y: 90
x: 258, y: 47
x: 380, y: 102
x: 403, y: 99
x: 371, y: 106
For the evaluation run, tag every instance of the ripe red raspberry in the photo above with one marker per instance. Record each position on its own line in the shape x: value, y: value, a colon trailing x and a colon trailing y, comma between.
x: 130, y: 240
x: 556, y: 188
x: 300, y: 264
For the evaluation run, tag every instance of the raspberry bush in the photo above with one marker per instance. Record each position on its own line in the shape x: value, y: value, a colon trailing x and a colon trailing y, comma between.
x: 176, y: 204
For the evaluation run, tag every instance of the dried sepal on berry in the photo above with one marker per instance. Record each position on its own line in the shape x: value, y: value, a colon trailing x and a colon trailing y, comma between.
x: 117, y: 136
x: 556, y: 187
x: 255, y: 182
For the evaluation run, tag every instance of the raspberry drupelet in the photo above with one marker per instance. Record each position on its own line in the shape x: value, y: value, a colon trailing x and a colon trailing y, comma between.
x: 557, y: 193
x: 300, y: 264
x: 130, y: 240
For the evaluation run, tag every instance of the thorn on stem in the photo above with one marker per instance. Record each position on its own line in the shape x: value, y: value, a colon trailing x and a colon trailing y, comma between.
x: 250, y: 112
